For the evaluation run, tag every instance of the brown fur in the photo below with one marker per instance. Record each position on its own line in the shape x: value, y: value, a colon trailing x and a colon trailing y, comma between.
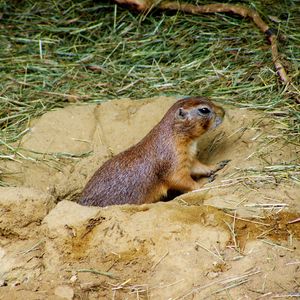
x: 164, y: 159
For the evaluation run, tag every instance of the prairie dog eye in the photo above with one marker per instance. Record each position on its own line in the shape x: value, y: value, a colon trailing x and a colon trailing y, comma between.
x: 204, y: 111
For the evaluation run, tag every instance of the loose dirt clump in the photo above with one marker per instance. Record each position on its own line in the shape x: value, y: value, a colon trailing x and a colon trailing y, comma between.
x: 238, y: 236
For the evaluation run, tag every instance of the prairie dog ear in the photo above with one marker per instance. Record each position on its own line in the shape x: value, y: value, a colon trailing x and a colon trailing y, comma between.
x: 181, y: 114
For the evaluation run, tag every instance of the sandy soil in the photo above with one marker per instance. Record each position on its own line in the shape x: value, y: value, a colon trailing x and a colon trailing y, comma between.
x: 230, y: 240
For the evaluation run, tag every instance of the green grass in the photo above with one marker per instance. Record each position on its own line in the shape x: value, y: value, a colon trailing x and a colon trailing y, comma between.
x: 56, y: 52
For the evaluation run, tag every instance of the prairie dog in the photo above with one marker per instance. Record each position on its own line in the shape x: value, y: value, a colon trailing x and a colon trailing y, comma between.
x: 164, y: 159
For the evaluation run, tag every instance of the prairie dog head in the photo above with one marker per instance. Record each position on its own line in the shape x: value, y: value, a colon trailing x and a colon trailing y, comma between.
x: 196, y: 115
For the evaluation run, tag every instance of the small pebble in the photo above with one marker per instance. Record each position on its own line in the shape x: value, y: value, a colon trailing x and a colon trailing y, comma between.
x: 73, y: 278
x: 212, y: 275
x: 88, y: 285
x: 65, y: 292
x: 3, y: 282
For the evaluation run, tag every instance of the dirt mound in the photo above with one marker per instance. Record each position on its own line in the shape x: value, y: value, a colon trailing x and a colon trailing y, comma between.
x: 235, y: 236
